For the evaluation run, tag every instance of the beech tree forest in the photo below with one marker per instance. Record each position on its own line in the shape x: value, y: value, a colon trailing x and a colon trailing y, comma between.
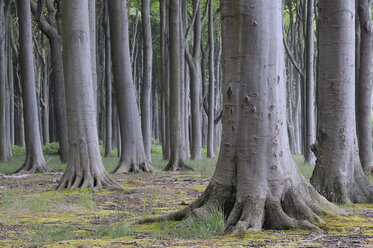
x: 186, y: 123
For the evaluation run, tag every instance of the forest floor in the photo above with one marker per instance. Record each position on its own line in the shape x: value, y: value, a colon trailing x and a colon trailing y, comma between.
x: 32, y: 214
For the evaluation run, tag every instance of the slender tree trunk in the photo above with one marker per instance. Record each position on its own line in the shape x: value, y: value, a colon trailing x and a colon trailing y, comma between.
x: 84, y: 166
x: 309, y: 157
x: 35, y: 161
x: 338, y: 174
x: 364, y: 86
x: 211, y: 110
x: 177, y: 152
x: 133, y: 157
x: 147, y: 77
x: 3, y: 83
x: 92, y: 34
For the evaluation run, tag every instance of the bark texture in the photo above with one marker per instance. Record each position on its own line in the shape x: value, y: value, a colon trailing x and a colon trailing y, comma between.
x: 84, y: 164
x: 35, y: 161
x: 256, y: 181
x: 338, y: 174
x: 132, y: 156
x: 3, y: 68
x: 364, y: 86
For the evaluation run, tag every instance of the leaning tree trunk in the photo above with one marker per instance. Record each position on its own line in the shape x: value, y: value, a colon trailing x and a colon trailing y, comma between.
x: 338, y: 174
x: 364, y: 86
x: 256, y: 181
x: 84, y: 164
x: 146, y: 89
x: 309, y: 122
x: 132, y: 156
x: 35, y: 161
x: 177, y: 152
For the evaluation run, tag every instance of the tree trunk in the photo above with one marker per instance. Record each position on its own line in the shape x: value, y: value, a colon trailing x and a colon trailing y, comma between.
x: 309, y: 158
x: 177, y: 152
x: 92, y: 34
x: 256, y: 181
x: 133, y: 158
x: 3, y: 83
x: 108, y: 84
x: 364, y: 86
x: 338, y: 174
x: 35, y: 161
x: 147, y: 77
x: 211, y: 110
x: 84, y: 165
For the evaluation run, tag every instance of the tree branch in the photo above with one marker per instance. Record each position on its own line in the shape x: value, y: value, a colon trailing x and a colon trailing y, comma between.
x: 292, y: 59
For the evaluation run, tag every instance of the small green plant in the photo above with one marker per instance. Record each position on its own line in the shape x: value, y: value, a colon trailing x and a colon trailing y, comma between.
x: 114, y: 231
x: 18, y: 150
x: 51, y: 148
x: 156, y: 149
x: 85, y: 199
x: 43, y: 233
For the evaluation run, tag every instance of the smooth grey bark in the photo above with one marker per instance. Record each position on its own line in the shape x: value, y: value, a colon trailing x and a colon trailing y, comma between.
x: 146, y: 90
x: 108, y: 84
x: 92, y: 33
x: 49, y: 27
x: 35, y: 161
x: 194, y: 62
x: 84, y: 164
x: 211, y: 110
x: 310, y: 135
x: 364, y: 86
x: 256, y: 181
x: 132, y: 156
x: 3, y: 83
x: 338, y: 174
x: 177, y: 152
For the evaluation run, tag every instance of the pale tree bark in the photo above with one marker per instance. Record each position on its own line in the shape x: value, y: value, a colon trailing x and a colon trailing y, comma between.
x: 35, y: 161
x: 211, y: 110
x: 310, y: 136
x: 108, y: 84
x: 132, y: 156
x: 364, y: 86
x: 49, y: 27
x: 177, y: 152
x: 146, y: 90
x: 256, y: 181
x: 92, y: 34
x: 338, y: 174
x: 84, y: 164
x: 194, y: 62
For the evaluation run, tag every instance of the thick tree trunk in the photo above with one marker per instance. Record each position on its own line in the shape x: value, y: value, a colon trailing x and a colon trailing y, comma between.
x: 146, y: 91
x: 35, y: 161
x: 177, y: 152
x: 84, y: 165
x: 309, y: 157
x: 211, y: 110
x: 364, y: 86
x: 256, y: 181
x: 133, y: 158
x: 338, y: 174
x: 50, y: 29
x: 92, y: 34
x: 3, y: 83
x: 108, y: 84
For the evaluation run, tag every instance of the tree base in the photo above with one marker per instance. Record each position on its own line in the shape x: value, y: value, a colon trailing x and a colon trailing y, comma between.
x: 295, y: 208
x: 125, y: 167
x: 177, y: 165
x: 34, y: 166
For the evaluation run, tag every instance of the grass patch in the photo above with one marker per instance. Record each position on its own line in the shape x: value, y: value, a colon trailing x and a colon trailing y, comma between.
x: 116, y: 230
x: 42, y: 233
x: 194, y: 228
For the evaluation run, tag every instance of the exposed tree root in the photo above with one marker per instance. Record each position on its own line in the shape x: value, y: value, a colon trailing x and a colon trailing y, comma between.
x: 34, y: 166
x: 177, y: 165
x: 293, y: 209
x: 124, y: 167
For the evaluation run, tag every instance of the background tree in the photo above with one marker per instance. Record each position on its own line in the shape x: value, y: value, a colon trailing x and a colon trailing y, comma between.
x: 84, y: 164
x: 35, y: 161
x: 338, y: 174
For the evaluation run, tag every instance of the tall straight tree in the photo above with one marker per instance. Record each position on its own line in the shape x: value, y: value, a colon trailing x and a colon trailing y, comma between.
x: 35, y: 161
x: 364, y: 85
x: 84, y: 164
x: 309, y: 121
x: 338, y: 174
x: 132, y: 156
x: 92, y: 34
x: 49, y: 27
x: 146, y: 90
x: 194, y: 62
x: 177, y: 152
x: 256, y: 181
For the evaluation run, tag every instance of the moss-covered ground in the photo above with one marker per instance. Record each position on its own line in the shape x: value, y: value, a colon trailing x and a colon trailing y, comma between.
x: 32, y: 214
